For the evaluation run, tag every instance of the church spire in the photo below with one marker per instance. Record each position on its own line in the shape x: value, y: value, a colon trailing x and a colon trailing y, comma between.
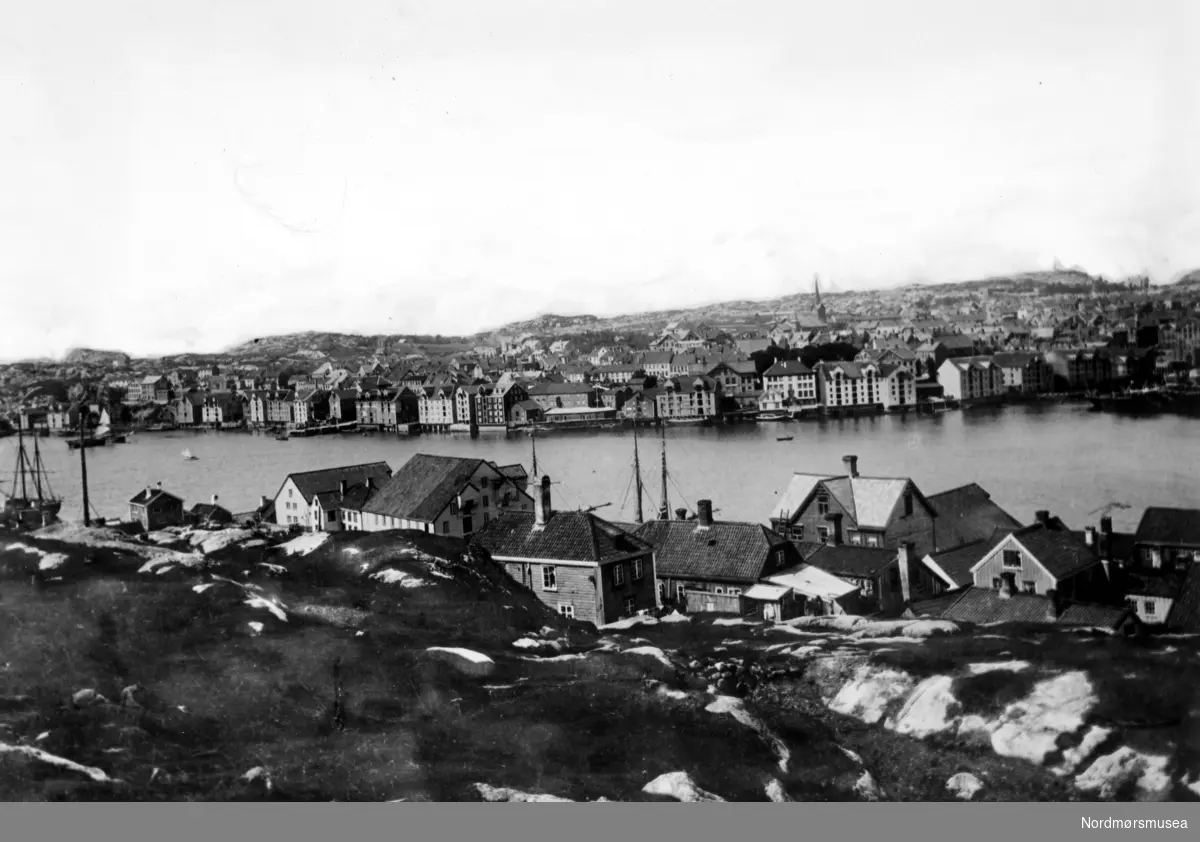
x: 818, y: 307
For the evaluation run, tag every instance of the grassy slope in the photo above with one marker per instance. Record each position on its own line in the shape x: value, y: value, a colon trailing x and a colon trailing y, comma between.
x: 216, y: 699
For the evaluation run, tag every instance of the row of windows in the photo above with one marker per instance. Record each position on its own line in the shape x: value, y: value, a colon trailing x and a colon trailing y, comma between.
x: 550, y: 575
x: 1026, y: 586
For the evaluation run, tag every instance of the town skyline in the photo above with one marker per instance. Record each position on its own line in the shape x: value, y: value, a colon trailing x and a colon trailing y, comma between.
x: 448, y: 167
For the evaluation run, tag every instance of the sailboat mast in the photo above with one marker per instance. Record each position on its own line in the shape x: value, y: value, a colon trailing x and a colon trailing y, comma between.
x: 533, y: 444
x: 637, y: 473
x: 664, y: 512
x: 37, y: 468
x: 87, y: 517
x: 21, y: 455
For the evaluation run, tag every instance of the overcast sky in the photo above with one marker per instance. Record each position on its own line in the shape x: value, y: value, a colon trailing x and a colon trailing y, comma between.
x: 182, y: 176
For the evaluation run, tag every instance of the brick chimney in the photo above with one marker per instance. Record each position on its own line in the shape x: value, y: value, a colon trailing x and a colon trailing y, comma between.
x: 541, y: 504
x: 1055, y: 604
x: 850, y: 464
x: 681, y: 514
x: 704, y: 513
x: 1042, y: 516
x: 342, y: 488
x: 214, y: 500
x: 903, y: 556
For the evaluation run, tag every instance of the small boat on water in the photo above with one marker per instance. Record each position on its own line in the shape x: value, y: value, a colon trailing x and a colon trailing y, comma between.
x: 698, y: 420
x: 784, y: 438
x: 189, y: 456
x: 282, y: 437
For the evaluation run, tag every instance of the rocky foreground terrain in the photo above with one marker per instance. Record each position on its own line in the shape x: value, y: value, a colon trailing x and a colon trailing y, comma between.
x: 235, y: 665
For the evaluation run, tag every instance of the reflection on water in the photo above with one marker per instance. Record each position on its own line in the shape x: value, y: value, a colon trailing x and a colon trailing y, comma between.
x: 1046, y: 456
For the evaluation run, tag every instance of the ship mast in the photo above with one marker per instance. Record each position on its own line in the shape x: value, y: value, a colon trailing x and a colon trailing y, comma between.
x: 637, y: 473
x: 533, y: 444
x: 21, y: 456
x: 664, y: 512
x: 87, y: 518
x: 37, y: 468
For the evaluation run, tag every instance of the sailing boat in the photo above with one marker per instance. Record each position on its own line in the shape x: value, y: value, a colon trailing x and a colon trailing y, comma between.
x: 31, y: 472
x: 188, y: 455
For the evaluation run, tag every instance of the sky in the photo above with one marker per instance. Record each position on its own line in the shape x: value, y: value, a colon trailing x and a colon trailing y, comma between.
x: 180, y: 177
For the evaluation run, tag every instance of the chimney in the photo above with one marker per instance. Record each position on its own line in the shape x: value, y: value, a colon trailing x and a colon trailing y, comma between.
x: 681, y: 514
x: 370, y: 483
x: 850, y: 463
x: 160, y: 485
x: 704, y: 510
x: 214, y: 500
x: 342, y: 488
x: 149, y: 491
x: 1089, y: 537
x: 263, y: 500
x: 1055, y: 604
x: 836, y: 519
x: 1042, y: 516
x: 1008, y: 585
x: 541, y: 504
x: 902, y: 558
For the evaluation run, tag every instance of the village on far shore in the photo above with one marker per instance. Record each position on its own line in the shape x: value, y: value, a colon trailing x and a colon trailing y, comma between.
x: 982, y: 347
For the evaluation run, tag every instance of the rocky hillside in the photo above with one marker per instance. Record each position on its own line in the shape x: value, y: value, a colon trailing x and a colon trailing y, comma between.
x: 397, y: 666
x: 90, y: 356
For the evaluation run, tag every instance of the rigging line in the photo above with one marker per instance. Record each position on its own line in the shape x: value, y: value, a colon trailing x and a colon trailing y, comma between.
x: 625, y: 498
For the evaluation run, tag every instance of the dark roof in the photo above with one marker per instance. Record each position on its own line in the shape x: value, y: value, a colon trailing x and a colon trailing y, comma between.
x: 935, y: 606
x: 1158, y: 583
x: 957, y: 563
x: 1171, y: 527
x: 967, y: 514
x: 1122, y: 544
x: 851, y: 561
x: 355, y: 498
x: 424, y: 486
x: 983, y: 605
x: 1185, y: 614
x: 725, y: 550
x: 566, y: 536
x: 1059, y: 551
x: 311, y: 483
x: 787, y: 368
x: 513, y: 471
x: 208, y: 511
x: 146, y: 495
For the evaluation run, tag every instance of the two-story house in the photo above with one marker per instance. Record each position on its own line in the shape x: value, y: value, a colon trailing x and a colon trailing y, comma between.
x: 707, y: 565
x: 310, y: 499
x: 579, y: 565
x: 875, y: 512
x: 154, y: 508
x: 446, y: 495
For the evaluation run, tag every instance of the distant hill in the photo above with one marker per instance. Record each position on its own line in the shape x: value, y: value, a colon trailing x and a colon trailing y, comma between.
x: 91, y: 356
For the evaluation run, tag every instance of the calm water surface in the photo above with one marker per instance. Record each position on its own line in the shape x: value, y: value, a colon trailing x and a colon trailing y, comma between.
x: 1057, y: 457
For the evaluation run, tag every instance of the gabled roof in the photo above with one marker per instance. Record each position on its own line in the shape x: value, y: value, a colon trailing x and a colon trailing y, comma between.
x: 148, y: 495
x: 850, y: 561
x: 566, y: 536
x: 424, y: 485
x: 723, y: 551
x: 1059, y: 551
x: 207, y: 511
x: 1170, y: 527
x: 954, y: 566
x: 812, y: 581
x: 312, y: 483
x: 513, y: 471
x: 967, y: 514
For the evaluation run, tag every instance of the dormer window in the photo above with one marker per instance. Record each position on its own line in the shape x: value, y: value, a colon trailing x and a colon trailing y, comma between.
x: 822, y: 504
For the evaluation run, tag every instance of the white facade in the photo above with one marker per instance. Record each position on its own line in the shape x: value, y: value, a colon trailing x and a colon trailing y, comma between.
x: 855, y: 385
x: 899, y: 389
x: 968, y: 378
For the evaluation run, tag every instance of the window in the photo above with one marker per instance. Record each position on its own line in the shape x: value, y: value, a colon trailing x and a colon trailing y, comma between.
x: 872, y: 540
x: 1012, y: 559
x: 454, y: 506
x: 468, y: 524
x: 734, y: 591
x: 997, y: 582
x: 485, y: 501
x: 630, y: 606
x: 822, y: 504
x: 289, y: 492
x: 637, y: 569
x: 823, y: 534
x: 333, y: 516
x: 856, y: 538
x: 780, y: 557
x: 445, y: 527
x: 681, y: 592
x: 1029, y: 587
x: 618, y: 575
x: 719, y: 590
x: 567, y: 611
x: 908, y: 503
x: 1149, y: 606
x: 549, y: 578
x: 486, y: 519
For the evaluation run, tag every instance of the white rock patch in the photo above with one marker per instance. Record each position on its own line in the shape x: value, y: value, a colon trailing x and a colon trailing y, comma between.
x: 775, y: 791
x: 930, y: 709
x: 867, y: 695
x: 1030, y: 728
x: 1011, y: 666
x: 680, y: 786
x: 964, y: 786
x: 491, y: 793
x: 651, y: 652
x: 1108, y: 773
x: 97, y: 775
